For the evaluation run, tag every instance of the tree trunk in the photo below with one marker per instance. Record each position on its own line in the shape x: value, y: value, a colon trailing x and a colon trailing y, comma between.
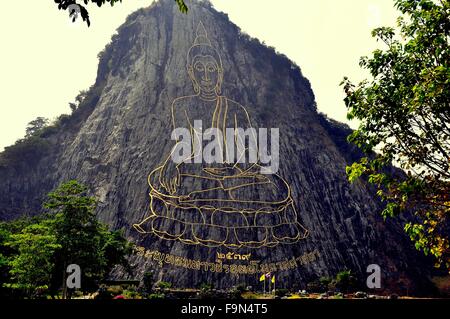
x: 64, y: 292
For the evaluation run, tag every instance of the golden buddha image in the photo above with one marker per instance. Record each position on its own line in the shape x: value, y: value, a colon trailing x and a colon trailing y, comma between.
x: 228, y: 204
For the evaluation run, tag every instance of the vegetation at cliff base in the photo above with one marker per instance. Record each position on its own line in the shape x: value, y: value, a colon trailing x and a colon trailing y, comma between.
x: 404, y: 114
x: 35, y: 252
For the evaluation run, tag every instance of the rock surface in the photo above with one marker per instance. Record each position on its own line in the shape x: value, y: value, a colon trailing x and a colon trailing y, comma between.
x: 122, y: 131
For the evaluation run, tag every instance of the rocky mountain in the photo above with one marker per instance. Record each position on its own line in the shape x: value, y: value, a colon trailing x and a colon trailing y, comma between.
x: 121, y: 132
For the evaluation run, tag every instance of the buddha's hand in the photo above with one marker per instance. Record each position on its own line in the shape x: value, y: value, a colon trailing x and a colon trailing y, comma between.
x: 169, y: 177
x: 227, y: 171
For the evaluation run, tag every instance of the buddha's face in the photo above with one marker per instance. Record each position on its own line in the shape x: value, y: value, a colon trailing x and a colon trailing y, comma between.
x: 206, y: 73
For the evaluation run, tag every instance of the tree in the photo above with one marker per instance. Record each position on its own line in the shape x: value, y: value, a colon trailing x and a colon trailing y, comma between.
x: 78, y: 100
x: 83, y: 240
x: 74, y: 7
x: 345, y: 282
x: 148, y: 281
x: 35, y: 126
x: 32, y: 266
x: 4, y: 253
x: 35, y: 253
x: 404, y: 113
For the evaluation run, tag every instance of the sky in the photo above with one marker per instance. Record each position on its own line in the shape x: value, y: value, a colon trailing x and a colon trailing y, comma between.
x: 45, y: 60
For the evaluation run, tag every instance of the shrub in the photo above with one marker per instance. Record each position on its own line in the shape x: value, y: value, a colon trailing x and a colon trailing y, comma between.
x: 49, y: 130
x: 250, y: 295
x: 131, y: 294
x: 206, y: 291
x: 206, y: 287
x: 319, y: 285
x: 345, y: 281
x: 103, y: 294
x: 314, y: 286
x: 164, y: 285
x: 115, y: 290
x: 241, y: 288
x: 29, y: 150
x: 235, y: 293
x: 148, y: 281
x: 63, y: 119
x: 281, y: 292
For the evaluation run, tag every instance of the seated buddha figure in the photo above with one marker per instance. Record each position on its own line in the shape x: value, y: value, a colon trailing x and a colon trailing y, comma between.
x: 230, y: 204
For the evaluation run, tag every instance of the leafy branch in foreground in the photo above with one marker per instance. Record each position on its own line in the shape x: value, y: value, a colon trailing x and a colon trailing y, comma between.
x: 75, y: 8
x: 404, y: 114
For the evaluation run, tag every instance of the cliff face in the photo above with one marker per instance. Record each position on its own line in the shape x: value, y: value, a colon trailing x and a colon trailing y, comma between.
x: 122, y: 131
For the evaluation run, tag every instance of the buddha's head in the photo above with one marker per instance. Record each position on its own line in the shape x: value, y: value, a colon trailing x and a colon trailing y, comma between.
x: 204, y: 65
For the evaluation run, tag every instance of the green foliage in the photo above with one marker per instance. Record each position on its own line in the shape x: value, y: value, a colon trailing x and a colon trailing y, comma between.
x: 241, y: 288
x: 35, y: 126
x: 114, y: 290
x: 9, y: 251
x: 206, y: 291
x: 339, y: 295
x: 35, y: 252
x: 63, y: 119
x: 79, y: 99
x: 319, y: 285
x: 282, y: 292
x: 131, y: 293
x: 49, y: 130
x: 182, y: 6
x: 206, y: 287
x: 164, y: 285
x: 33, y: 264
x: 325, y: 282
x: 404, y: 114
x: 104, y: 294
x: 28, y: 151
x: 84, y: 240
x: 5, y: 252
x: 65, y: 4
x: 344, y: 281
x: 33, y: 146
x: 314, y: 286
x: 148, y: 281
x: 236, y: 292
